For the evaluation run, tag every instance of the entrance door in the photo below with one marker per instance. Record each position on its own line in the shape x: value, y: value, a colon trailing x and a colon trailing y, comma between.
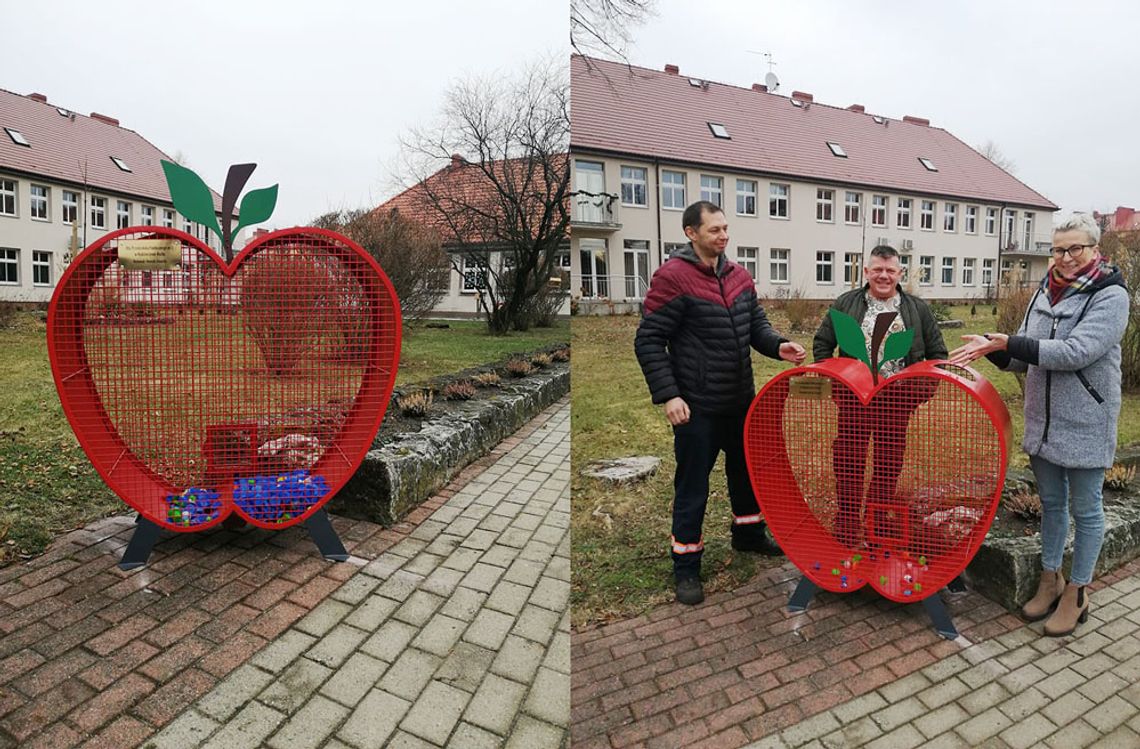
x: 592, y: 256
x: 636, y: 268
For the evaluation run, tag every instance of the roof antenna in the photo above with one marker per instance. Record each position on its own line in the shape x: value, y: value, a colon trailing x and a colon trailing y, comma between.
x: 770, y: 79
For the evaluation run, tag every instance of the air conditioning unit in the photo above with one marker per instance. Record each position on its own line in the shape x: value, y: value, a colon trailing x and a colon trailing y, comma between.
x: 882, y: 241
x: 906, y: 245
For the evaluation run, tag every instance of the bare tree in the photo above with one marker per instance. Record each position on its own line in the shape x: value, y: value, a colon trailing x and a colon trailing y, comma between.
x: 1123, y: 248
x: 604, y: 25
x: 409, y: 253
x: 990, y: 150
x: 493, y: 177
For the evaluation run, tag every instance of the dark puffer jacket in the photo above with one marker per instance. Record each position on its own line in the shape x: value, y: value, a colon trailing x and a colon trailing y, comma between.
x: 699, y: 328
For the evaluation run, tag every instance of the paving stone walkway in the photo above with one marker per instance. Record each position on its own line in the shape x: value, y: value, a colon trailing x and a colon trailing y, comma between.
x: 455, y: 617
x: 858, y: 670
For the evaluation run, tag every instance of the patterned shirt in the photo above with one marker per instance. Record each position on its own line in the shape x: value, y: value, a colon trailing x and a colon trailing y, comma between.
x: 875, y: 307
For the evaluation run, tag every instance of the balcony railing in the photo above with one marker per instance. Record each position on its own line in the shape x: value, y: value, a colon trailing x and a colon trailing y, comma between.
x: 595, y: 211
x: 614, y: 287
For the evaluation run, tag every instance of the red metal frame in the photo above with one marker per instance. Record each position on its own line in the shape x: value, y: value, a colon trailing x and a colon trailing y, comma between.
x: 96, y: 365
x: 909, y: 533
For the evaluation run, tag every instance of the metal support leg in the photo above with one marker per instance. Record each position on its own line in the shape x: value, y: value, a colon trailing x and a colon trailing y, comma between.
x: 941, y: 618
x: 957, y: 585
x: 141, y: 543
x: 326, y: 539
x: 801, y: 597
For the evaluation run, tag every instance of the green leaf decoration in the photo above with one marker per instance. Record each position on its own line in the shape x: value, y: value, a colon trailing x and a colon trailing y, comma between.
x: 256, y: 206
x: 897, y: 346
x: 850, y: 336
x: 191, y: 197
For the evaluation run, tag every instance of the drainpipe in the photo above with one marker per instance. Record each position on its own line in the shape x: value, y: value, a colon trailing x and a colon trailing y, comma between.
x: 997, y: 270
x: 657, y: 202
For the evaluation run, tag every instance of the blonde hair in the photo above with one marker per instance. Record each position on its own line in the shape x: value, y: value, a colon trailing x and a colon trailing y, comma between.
x: 1080, y: 222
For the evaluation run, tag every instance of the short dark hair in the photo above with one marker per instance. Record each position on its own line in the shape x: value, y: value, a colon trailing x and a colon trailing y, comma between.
x: 694, y: 215
x: 884, y: 251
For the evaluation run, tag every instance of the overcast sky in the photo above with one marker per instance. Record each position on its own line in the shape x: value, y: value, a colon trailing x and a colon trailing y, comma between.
x: 316, y: 93
x: 1055, y: 85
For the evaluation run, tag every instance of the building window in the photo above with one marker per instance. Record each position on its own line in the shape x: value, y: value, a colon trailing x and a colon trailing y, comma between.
x: 928, y: 164
x: 824, y: 265
x: 824, y: 204
x: 746, y: 256
x: 70, y: 207
x: 595, y: 281
x: 634, y: 186
x: 188, y: 226
x: 852, y: 203
x: 988, y: 272
x: 971, y: 219
x: 122, y: 214
x: 712, y: 189
x: 926, y: 215
x: 991, y: 221
x: 168, y: 280
x: 968, y: 271
x: 836, y: 150
x: 9, y: 265
x: 673, y: 190
x: 947, y: 271
x: 879, y: 210
x: 1006, y: 269
x: 17, y: 137
x: 925, y: 269
x: 950, y: 217
x: 473, y: 271
x: 1028, y: 230
x: 39, y: 204
x: 41, y: 268
x: 1008, y: 224
x: 168, y: 218
x: 7, y: 197
x: 778, y: 196
x: 902, y: 217
x: 120, y: 163
x: 636, y: 268
x: 904, y: 261
x: 746, y: 198
x: 851, y: 268
x: 778, y: 265
x: 98, y: 213
x: 719, y: 131
x: 147, y: 279
x: 146, y: 215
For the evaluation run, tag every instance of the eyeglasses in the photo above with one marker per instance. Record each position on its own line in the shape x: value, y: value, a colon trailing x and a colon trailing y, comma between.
x: 1074, y: 251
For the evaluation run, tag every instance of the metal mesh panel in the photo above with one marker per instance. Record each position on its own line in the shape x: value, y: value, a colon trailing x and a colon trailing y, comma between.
x: 895, y: 486
x: 199, y: 390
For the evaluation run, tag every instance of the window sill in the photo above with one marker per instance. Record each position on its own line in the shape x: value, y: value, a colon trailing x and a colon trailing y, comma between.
x: 779, y: 218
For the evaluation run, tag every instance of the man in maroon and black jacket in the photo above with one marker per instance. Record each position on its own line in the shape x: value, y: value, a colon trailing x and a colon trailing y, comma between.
x: 702, y: 320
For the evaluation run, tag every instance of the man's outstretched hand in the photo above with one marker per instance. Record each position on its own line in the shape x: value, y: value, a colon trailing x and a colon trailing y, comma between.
x: 793, y: 352
x: 677, y: 411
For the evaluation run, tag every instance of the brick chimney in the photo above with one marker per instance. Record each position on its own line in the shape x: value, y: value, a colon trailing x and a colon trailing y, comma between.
x: 917, y: 120
x: 104, y: 118
x: 457, y: 160
x: 38, y: 97
x: 672, y: 70
x: 857, y: 108
x: 803, y: 96
x: 760, y: 87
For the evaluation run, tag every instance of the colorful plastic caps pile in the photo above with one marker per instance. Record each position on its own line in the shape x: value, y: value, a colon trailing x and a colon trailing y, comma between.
x: 194, y: 506
x: 281, y: 497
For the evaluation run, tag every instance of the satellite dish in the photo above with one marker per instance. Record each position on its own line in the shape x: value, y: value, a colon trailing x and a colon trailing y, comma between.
x: 772, y: 82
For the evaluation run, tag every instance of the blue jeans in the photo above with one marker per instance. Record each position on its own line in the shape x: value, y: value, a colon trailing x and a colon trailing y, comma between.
x: 1055, y: 483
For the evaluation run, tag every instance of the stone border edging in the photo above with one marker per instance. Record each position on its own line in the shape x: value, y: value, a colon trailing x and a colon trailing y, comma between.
x: 408, y: 468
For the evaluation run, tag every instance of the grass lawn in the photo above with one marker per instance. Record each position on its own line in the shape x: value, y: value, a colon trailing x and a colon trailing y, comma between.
x: 620, y: 561
x: 47, y: 485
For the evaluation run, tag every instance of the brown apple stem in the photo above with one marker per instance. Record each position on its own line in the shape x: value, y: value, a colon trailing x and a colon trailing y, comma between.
x: 882, y: 324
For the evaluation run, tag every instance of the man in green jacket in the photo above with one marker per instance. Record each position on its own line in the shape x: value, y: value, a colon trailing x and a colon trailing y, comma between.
x: 881, y: 293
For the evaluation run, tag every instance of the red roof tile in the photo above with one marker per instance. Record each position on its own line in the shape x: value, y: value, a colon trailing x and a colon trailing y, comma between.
x: 653, y: 114
x: 62, y: 146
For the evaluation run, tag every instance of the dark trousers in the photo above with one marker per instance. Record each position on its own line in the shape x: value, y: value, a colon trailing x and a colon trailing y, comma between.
x: 885, y: 420
x: 696, y: 445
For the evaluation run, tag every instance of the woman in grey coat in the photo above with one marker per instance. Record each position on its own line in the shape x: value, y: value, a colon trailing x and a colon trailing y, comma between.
x: 1069, y: 347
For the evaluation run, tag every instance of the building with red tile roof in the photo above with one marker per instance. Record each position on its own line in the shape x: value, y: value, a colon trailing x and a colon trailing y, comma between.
x: 808, y: 188
x: 66, y: 179
x: 1122, y: 219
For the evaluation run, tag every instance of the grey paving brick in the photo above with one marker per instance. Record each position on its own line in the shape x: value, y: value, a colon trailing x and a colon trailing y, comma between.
x: 941, y: 720
x: 905, y: 737
x: 1111, y: 713
x: 1023, y: 704
x: 191, y: 728
x: 1064, y: 681
x: 326, y: 615
x: 1067, y: 708
x: 489, y: 629
x: 902, y: 688
x: 405, y: 740
x: 248, y: 729
x: 411, y: 672
x: 898, y: 713
x: 283, y: 651
x: 464, y: 604
x: 856, y: 708
x: 524, y: 572
x: 558, y: 653
x: 310, y: 726
x: 295, y: 685
x: 552, y: 594
x: 372, y: 613
x: 390, y: 640
x: 496, y: 704
x: 535, y: 623
x: 442, y: 581
x: 466, y: 666
x: 241, y: 686
x: 508, y: 597
x: 355, y: 589
x: 549, y: 698
x: 374, y: 720
x: 529, y: 733
x: 418, y: 609
x: 1028, y: 732
x: 462, y: 559
x: 1103, y: 687
x: 854, y: 733
x: 812, y: 728
x: 424, y: 563
x: 400, y: 585
x: 354, y: 679
x: 482, y: 577
x: 943, y: 692
x: 473, y: 737
x: 1073, y: 736
x: 439, y: 635
x: 983, y: 698
x: 984, y: 725
x: 435, y: 714
x: 336, y: 646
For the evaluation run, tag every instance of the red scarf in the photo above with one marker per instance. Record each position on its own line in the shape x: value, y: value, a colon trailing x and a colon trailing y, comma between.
x: 1059, y: 284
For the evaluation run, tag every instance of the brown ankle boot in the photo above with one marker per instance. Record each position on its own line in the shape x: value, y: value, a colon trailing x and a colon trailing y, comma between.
x: 1073, y: 609
x: 1049, y: 590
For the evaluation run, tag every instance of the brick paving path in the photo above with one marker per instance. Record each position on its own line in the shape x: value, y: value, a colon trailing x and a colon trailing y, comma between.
x: 855, y: 669
x: 93, y: 656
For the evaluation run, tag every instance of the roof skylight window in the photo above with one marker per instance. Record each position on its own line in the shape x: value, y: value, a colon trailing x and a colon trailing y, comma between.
x: 17, y: 137
x: 878, y: 120
x: 928, y: 164
x: 120, y: 163
x: 696, y: 82
x: 797, y: 103
x: 63, y: 112
x: 837, y: 150
x: 719, y: 130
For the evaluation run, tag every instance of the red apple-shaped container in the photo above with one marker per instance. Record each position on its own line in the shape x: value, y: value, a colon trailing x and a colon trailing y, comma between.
x: 892, y: 484
x: 199, y: 388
